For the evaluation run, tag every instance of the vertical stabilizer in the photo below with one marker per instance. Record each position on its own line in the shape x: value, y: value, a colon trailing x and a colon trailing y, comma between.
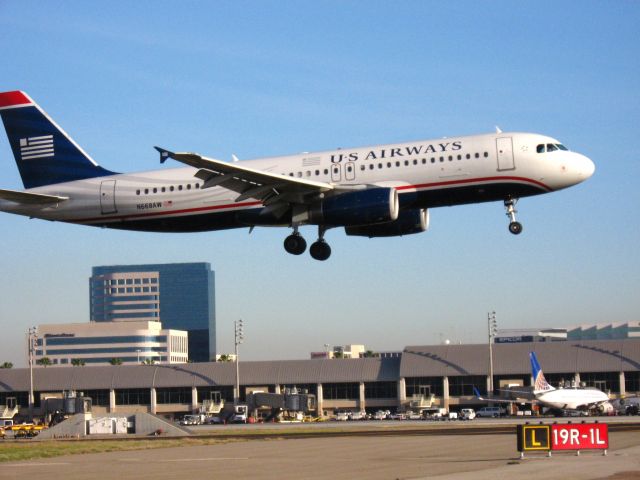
x: 45, y: 154
x: 540, y: 383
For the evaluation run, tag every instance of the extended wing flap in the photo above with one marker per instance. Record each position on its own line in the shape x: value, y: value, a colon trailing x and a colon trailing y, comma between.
x: 29, y: 198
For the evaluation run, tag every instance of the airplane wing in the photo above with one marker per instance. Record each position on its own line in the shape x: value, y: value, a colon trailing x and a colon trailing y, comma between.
x: 519, y: 399
x: 28, y: 198
x: 270, y: 188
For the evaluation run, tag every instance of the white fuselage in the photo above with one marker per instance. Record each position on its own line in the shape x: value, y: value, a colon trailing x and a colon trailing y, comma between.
x: 572, y: 398
x: 426, y: 174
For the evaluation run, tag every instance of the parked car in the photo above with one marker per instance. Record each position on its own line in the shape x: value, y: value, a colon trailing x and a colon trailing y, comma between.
x: 380, y: 415
x: 491, y: 412
x: 467, y: 414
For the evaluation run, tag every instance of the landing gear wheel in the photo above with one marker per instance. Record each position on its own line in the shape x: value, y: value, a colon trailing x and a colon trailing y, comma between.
x: 295, y: 244
x: 515, y: 228
x: 320, y: 250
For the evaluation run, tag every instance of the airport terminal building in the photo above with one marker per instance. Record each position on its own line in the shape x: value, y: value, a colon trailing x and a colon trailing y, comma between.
x: 448, y: 372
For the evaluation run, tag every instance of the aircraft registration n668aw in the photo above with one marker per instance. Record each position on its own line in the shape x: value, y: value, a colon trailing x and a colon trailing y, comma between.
x: 378, y: 191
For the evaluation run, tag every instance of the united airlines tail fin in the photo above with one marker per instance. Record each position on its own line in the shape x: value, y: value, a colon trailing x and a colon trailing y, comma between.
x: 45, y: 154
x: 540, y: 383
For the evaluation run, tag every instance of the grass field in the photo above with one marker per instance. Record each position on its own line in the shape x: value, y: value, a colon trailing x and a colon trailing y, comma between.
x: 27, y: 450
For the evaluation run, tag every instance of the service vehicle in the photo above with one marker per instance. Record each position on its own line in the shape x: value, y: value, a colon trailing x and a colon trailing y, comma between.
x: 467, y: 414
x: 491, y: 412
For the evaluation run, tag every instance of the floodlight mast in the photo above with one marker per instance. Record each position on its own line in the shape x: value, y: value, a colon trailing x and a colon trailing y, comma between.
x: 492, y: 326
x: 33, y: 340
x: 239, y: 338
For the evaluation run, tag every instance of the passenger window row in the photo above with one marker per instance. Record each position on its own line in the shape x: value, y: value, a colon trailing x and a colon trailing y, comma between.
x: 397, y: 163
x: 171, y: 188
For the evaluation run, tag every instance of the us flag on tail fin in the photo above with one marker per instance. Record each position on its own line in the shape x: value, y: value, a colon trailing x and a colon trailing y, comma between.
x: 36, y: 147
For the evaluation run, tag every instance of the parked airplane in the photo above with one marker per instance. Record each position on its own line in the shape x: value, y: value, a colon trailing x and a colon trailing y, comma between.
x: 557, y: 399
x: 378, y: 191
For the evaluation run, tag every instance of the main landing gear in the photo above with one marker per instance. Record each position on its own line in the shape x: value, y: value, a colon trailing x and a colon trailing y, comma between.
x: 514, y: 226
x: 295, y: 244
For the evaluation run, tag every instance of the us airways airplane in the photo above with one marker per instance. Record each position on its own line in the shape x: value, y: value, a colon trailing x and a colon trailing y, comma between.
x: 378, y: 191
x: 556, y: 399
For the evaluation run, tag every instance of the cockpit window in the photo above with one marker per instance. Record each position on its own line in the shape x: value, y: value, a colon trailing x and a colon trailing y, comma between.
x: 550, y: 147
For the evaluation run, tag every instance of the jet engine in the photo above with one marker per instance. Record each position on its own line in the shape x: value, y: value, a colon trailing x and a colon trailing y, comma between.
x: 408, y: 222
x: 361, y: 207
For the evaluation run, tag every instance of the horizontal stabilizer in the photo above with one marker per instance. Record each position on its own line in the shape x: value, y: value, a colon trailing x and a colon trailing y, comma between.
x: 28, y: 198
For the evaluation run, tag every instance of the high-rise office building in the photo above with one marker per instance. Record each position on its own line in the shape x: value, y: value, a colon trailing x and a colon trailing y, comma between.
x: 179, y: 295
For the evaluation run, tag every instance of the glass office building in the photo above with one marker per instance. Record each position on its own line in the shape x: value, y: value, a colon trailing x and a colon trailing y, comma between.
x: 179, y: 295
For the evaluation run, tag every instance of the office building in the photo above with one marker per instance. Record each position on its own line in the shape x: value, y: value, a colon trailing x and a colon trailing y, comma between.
x: 110, y: 343
x: 180, y: 295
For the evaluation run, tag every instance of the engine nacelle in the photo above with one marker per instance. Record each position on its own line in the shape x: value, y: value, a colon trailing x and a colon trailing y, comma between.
x: 408, y: 222
x: 361, y: 207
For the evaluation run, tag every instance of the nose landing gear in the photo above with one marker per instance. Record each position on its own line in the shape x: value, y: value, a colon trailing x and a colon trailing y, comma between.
x: 515, y: 227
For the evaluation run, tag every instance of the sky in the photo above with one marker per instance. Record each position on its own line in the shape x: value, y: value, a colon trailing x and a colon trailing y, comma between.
x: 254, y: 78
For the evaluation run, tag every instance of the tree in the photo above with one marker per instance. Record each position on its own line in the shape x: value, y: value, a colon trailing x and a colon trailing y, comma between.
x: 370, y: 354
x: 6, y: 365
x: 115, y: 361
x: 149, y: 361
x: 78, y: 362
x: 224, y: 358
x: 338, y: 355
x: 44, y: 361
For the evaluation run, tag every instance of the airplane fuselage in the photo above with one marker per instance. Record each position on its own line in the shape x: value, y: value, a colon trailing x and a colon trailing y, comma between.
x: 425, y: 174
x: 572, y: 398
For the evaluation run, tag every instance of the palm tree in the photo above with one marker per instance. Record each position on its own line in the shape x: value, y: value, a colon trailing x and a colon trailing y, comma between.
x: 115, y: 361
x: 6, y: 365
x: 149, y: 361
x: 78, y: 362
x: 44, y: 361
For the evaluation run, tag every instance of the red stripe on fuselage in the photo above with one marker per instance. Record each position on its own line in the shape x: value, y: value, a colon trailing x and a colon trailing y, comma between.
x: 166, y: 212
x: 474, y: 180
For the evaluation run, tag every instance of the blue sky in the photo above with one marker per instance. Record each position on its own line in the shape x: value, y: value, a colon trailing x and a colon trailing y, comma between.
x: 266, y: 78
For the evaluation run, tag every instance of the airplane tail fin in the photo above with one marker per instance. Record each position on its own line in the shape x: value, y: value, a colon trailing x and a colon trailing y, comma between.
x: 540, y: 383
x: 45, y: 154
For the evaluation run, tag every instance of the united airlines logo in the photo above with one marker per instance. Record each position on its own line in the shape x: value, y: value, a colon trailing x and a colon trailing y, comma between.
x: 541, y: 382
x: 36, y: 147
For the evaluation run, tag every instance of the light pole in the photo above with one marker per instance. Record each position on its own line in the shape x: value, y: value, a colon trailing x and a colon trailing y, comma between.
x: 33, y: 341
x: 492, y: 326
x: 326, y: 350
x: 239, y: 338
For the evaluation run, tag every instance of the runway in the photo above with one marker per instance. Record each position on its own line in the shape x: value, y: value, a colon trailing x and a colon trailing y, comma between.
x: 404, y: 455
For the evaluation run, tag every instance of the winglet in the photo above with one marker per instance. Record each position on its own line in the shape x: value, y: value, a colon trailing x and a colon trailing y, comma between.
x: 164, y: 154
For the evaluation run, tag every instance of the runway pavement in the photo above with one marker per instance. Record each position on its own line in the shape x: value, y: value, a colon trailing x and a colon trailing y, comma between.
x: 475, y: 457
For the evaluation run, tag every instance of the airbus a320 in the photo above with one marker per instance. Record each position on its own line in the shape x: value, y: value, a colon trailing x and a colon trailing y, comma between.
x: 377, y: 191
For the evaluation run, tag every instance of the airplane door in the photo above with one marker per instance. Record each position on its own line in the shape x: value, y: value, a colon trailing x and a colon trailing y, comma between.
x: 350, y: 171
x: 336, y: 172
x: 504, y: 147
x: 108, y: 196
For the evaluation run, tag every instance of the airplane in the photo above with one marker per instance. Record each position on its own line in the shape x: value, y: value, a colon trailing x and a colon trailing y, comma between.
x: 377, y: 191
x: 573, y: 399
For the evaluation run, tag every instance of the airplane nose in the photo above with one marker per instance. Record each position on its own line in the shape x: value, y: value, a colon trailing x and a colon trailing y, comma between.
x: 588, y: 167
